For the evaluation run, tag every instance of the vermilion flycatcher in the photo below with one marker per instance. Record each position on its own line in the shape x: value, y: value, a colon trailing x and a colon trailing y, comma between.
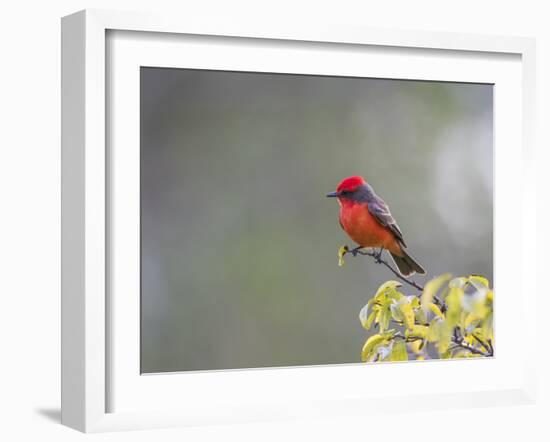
x: 366, y: 218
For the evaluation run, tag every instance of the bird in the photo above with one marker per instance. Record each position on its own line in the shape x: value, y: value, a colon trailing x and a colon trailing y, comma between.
x: 367, y: 220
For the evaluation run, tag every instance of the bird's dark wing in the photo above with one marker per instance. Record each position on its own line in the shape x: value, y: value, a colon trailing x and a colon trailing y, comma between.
x: 380, y: 210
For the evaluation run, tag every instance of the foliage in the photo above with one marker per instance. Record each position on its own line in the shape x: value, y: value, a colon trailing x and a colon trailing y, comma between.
x: 450, y: 318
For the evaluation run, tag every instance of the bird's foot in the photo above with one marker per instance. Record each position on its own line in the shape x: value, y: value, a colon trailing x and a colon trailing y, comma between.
x: 355, y: 251
x: 378, y: 256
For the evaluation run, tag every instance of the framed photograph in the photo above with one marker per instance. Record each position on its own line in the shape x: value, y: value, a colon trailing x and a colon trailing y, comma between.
x: 259, y: 221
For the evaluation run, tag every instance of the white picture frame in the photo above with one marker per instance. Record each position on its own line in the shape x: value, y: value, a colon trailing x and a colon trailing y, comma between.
x: 91, y: 340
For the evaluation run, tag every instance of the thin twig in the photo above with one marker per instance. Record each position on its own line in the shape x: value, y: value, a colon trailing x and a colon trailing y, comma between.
x: 471, y: 348
x: 378, y: 259
x: 458, y: 339
x: 415, y: 321
x: 483, y: 344
x: 407, y: 339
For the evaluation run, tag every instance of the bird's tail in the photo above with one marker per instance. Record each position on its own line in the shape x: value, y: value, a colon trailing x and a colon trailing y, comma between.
x: 407, y: 265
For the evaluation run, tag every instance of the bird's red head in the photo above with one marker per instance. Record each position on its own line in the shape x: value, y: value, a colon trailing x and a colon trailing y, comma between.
x: 350, y: 184
x: 348, y: 187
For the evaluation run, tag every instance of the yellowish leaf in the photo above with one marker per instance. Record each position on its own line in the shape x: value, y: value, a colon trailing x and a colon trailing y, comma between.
x: 367, y: 319
x: 388, y: 287
x: 433, y: 330
x: 369, y: 349
x: 431, y: 288
x: 384, y: 317
x: 444, y: 338
x: 364, y: 313
x: 479, y: 334
x: 396, y: 313
x: 470, y: 340
x: 454, y: 306
x: 440, y: 333
x: 416, y: 346
x: 341, y: 252
x: 399, y: 351
x: 415, y: 302
x: 420, y: 331
x: 469, y: 321
x: 408, y: 314
x: 420, y: 316
x: 436, y: 310
x: 481, y: 279
x: 487, y: 328
x: 370, y: 320
x: 458, y: 283
x: 370, y: 344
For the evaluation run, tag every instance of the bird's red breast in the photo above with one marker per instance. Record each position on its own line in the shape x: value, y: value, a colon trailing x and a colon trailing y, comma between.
x: 364, y: 229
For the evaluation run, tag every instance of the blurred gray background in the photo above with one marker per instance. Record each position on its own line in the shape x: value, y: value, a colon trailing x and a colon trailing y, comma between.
x: 239, y: 243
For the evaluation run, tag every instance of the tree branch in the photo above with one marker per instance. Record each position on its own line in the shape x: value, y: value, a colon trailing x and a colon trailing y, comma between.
x: 378, y: 260
x: 484, y: 345
x: 458, y: 339
x: 407, y: 339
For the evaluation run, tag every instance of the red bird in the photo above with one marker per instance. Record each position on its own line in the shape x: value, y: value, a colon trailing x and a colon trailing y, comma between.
x: 366, y: 218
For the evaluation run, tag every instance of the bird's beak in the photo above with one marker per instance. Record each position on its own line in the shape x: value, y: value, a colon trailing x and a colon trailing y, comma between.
x: 333, y: 195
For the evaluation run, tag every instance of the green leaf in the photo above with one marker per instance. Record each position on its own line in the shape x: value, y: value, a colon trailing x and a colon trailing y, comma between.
x: 479, y: 334
x: 463, y: 353
x: 341, y: 252
x: 454, y: 306
x: 388, y: 287
x: 435, y: 310
x: 395, y: 295
x: 480, y: 279
x: 363, y: 313
x: 416, y: 346
x: 487, y: 328
x: 468, y: 303
x: 420, y: 316
x: 370, y: 320
x: 366, y: 318
x: 470, y: 322
x: 399, y: 351
x: 415, y: 302
x: 433, y: 330
x: 458, y: 283
x: 369, y: 349
x: 408, y: 314
x: 384, y: 316
x: 444, y: 337
x: 396, y: 312
x: 431, y: 288
x: 440, y: 333
x: 370, y: 344
x: 420, y: 331
x: 446, y: 354
x: 383, y: 351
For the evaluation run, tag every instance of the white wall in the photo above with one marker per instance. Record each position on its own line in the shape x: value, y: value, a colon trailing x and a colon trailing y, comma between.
x: 30, y: 221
